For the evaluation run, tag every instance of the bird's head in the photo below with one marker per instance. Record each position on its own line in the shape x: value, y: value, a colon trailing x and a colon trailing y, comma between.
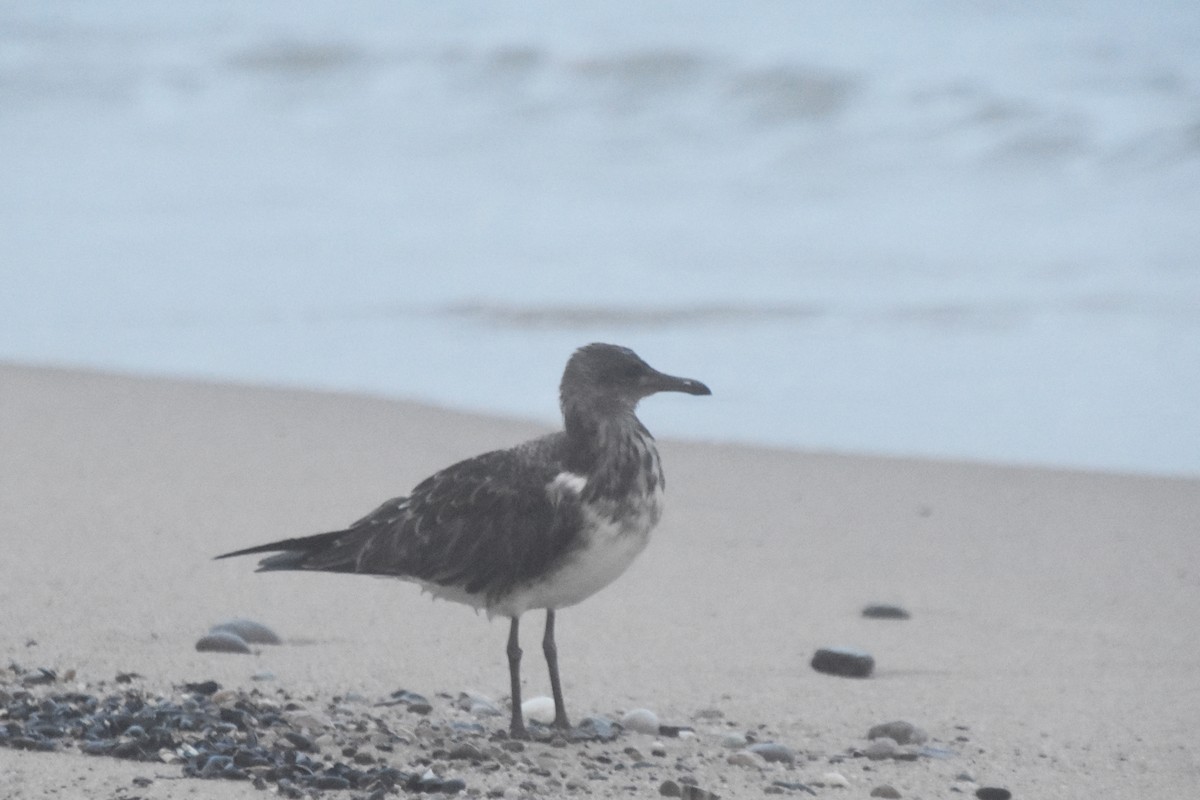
x: 607, y: 378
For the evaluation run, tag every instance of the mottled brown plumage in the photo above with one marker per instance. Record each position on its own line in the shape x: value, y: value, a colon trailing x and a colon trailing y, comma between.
x: 544, y: 524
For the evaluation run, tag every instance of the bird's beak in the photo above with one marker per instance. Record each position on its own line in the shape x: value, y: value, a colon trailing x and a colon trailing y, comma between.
x: 660, y: 382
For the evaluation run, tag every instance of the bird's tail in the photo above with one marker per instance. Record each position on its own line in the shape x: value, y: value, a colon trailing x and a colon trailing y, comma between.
x: 293, y: 553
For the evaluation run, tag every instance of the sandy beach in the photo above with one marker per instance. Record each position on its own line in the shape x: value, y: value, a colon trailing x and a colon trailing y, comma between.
x: 1051, y: 650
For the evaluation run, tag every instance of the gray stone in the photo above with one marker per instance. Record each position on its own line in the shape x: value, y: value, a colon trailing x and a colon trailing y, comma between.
x: 773, y: 751
x: 900, y: 731
x: 744, y: 758
x: 882, y: 611
x: 885, y: 790
x: 881, y: 748
x: 249, y: 630
x: 222, y: 642
x: 843, y: 661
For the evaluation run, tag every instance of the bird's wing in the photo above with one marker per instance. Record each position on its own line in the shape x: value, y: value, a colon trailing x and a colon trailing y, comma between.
x: 487, y: 524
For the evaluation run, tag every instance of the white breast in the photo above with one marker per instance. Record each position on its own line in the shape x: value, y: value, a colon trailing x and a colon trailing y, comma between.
x: 609, y: 546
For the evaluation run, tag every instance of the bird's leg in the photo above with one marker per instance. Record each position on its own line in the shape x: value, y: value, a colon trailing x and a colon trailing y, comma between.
x: 551, y: 651
x: 516, y: 728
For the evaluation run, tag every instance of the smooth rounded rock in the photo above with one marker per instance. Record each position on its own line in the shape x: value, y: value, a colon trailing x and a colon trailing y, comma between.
x: 992, y: 793
x: 902, y: 732
x: 745, y: 758
x: 734, y: 741
x: 222, y: 642
x: 539, y: 709
x: 249, y: 630
x: 881, y: 748
x: 844, y: 661
x: 774, y: 752
x: 883, y: 611
x: 641, y: 720
x: 594, y: 729
x: 886, y: 790
x: 836, y: 780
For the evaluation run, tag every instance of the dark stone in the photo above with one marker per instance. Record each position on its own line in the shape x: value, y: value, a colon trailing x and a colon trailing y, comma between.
x: 885, y: 612
x: 453, y: 785
x: 331, y: 782
x: 844, y: 662
x: 204, y: 688
x: 887, y: 791
x: 992, y: 793
x: 222, y: 642
x: 673, y: 731
x: 302, y: 742
x: 465, y: 751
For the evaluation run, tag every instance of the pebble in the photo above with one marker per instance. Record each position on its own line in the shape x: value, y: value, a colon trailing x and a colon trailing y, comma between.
x: 992, y: 793
x: 210, y: 740
x: 465, y: 750
x: 745, y: 758
x: 222, y: 642
x: 835, y: 780
x: 881, y: 748
x: 248, y: 630
x: 885, y: 790
x: 774, y: 752
x: 539, y: 709
x: 600, y: 729
x: 689, y: 791
x: 734, y: 741
x: 641, y: 720
x: 843, y: 661
x: 669, y: 788
x: 900, y: 731
x: 302, y: 719
x: 795, y: 786
x: 263, y: 675
x: 478, y: 705
x: 883, y: 611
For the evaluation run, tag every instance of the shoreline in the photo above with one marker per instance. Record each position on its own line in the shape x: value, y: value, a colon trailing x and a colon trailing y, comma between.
x: 1052, y: 609
x: 526, y: 423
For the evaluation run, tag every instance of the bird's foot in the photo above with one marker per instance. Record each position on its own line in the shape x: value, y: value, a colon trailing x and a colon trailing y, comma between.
x: 591, y: 729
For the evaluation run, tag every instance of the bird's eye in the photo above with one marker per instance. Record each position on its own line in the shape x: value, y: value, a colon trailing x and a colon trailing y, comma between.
x: 631, y: 372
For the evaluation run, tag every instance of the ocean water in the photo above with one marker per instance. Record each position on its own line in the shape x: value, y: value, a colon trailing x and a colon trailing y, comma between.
x: 942, y: 228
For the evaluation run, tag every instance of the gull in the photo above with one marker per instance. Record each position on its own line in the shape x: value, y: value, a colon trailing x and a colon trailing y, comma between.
x: 542, y: 525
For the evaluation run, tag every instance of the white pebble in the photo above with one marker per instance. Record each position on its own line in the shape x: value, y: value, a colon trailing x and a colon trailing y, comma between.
x: 539, y: 709
x: 734, y: 741
x: 835, y: 779
x: 642, y: 720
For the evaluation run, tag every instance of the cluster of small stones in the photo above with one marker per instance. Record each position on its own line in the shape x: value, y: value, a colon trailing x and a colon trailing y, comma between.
x: 407, y: 743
